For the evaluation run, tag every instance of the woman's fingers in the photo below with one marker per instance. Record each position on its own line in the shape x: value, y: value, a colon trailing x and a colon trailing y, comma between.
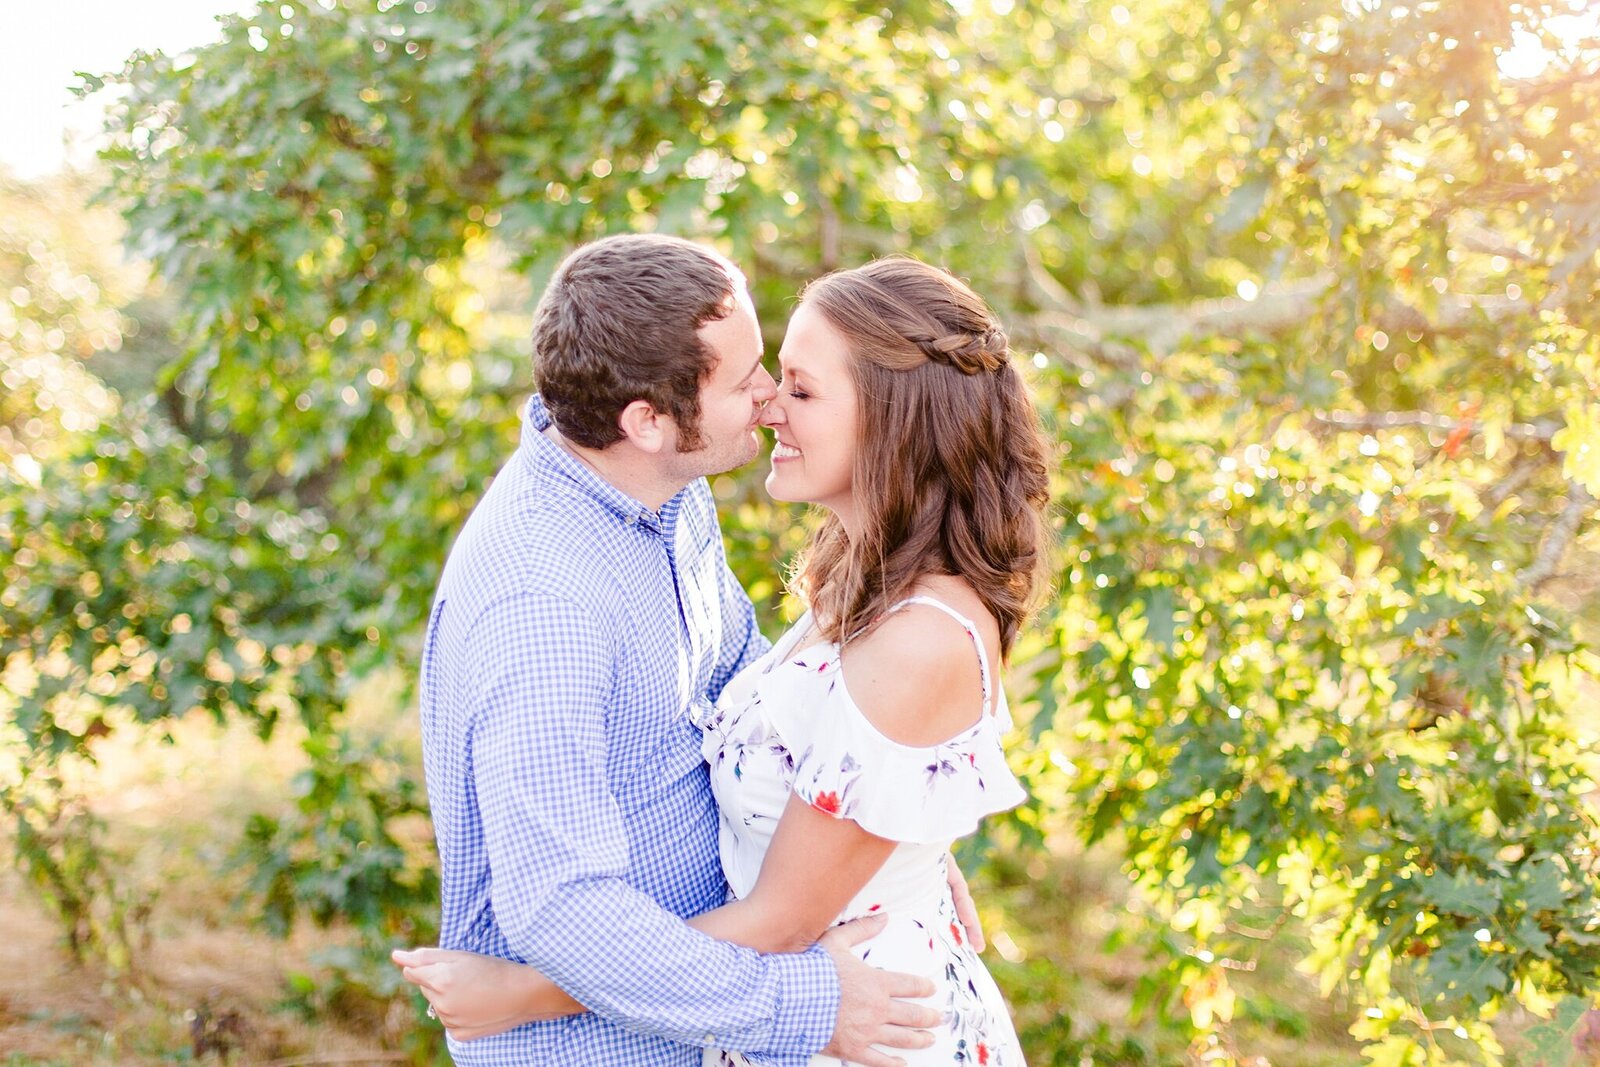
x: 429, y: 970
x: 419, y: 966
x: 966, y: 907
x: 422, y: 978
x: 855, y: 931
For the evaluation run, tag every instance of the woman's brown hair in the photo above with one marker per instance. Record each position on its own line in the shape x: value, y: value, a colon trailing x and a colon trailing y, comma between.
x: 950, y: 473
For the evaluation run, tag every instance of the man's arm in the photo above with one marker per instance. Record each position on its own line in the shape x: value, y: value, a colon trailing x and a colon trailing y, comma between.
x: 559, y: 852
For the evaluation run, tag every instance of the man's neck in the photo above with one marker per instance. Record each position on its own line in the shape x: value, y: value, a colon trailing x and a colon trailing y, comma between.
x: 630, y: 472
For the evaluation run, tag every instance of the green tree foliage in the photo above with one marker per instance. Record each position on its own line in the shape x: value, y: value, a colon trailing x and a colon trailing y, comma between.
x: 1307, y: 287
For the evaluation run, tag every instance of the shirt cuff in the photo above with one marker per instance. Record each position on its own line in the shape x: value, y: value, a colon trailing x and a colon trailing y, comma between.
x: 807, y: 1008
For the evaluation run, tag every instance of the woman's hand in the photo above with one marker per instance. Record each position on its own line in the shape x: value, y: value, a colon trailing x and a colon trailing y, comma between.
x: 477, y: 996
x: 966, y: 907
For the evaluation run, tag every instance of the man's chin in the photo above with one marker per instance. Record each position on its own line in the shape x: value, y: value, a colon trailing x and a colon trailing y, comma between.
x: 732, y: 461
x: 750, y: 453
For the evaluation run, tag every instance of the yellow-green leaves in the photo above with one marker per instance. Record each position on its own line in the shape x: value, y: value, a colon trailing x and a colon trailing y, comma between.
x: 1578, y: 441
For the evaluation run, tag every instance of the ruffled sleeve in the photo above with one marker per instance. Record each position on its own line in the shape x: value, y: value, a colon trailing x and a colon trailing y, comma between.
x: 921, y: 795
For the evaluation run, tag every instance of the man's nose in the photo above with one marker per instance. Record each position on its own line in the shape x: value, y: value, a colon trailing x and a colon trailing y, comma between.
x: 766, y: 388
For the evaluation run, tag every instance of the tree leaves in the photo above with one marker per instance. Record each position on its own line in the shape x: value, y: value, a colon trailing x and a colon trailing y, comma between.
x: 1304, y: 451
x: 1553, y: 1043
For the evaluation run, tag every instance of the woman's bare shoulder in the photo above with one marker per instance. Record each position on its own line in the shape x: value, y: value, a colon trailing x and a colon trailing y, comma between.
x: 915, y: 675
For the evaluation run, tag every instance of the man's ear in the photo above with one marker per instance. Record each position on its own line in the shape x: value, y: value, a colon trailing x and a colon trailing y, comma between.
x: 644, y: 426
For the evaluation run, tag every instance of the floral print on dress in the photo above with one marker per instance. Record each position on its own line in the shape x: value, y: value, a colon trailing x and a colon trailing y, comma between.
x: 787, y: 728
x: 841, y: 775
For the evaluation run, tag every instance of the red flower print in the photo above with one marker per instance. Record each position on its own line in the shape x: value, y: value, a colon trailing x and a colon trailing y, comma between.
x: 955, y: 932
x: 828, y: 802
x: 823, y: 667
x: 875, y: 907
x: 983, y: 1053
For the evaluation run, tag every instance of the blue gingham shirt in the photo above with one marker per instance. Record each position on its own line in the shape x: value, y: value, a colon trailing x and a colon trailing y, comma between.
x: 572, y: 632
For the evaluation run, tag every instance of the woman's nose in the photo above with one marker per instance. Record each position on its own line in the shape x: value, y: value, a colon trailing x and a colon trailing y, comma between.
x: 772, y: 414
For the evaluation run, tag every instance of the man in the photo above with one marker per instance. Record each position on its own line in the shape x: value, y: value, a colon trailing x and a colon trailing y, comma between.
x: 585, y: 607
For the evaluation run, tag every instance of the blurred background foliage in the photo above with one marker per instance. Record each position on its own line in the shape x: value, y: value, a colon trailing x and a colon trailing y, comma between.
x: 1306, y: 292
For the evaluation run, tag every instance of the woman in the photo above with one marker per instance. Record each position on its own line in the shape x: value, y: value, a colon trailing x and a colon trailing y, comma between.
x: 847, y: 758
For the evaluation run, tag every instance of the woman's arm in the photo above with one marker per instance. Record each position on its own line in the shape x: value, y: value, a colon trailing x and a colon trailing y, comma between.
x: 475, y: 995
x: 814, y: 866
x: 916, y: 678
x: 789, y: 908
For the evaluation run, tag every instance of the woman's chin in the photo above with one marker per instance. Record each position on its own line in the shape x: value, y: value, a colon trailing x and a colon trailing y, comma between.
x: 780, y: 492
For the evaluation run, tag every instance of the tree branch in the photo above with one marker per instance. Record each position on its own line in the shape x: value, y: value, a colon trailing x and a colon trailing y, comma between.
x: 1073, y: 340
x: 1040, y: 285
x: 1161, y: 328
x: 1501, y: 491
x: 1374, y: 421
x: 1477, y: 238
x: 1557, y: 538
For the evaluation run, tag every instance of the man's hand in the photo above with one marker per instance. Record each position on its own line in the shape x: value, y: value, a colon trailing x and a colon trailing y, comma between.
x: 966, y: 909
x: 473, y: 995
x: 873, y: 1008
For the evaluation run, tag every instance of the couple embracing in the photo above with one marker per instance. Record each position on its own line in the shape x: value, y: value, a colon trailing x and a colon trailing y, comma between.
x: 696, y: 846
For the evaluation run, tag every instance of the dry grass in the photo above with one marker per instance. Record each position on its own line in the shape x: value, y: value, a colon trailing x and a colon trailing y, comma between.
x: 204, y: 991
x: 210, y: 984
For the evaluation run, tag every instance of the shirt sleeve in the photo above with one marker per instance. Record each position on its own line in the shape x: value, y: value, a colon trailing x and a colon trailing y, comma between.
x: 558, y: 855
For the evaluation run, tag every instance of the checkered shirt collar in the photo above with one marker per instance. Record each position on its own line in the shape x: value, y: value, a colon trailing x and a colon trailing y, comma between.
x: 539, y: 451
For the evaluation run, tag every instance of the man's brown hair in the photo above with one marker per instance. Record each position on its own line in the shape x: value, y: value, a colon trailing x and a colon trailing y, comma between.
x: 619, y: 322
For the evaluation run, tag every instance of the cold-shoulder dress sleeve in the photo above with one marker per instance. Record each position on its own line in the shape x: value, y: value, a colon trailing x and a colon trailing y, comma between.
x: 846, y: 767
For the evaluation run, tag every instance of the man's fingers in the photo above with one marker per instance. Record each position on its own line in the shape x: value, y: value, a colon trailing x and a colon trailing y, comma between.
x: 916, y: 1016
x: 903, y: 1037
x: 871, y: 1057
x: 908, y: 986
x: 856, y: 931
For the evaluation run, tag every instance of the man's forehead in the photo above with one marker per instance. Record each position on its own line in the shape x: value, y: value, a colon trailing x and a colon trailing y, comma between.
x: 736, y: 342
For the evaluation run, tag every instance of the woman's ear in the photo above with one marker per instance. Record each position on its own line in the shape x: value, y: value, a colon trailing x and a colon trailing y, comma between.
x: 645, y: 427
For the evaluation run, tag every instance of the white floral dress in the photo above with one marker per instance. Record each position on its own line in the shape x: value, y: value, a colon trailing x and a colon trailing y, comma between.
x: 786, y: 723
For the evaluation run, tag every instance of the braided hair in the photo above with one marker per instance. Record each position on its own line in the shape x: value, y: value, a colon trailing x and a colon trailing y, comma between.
x: 950, y: 474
